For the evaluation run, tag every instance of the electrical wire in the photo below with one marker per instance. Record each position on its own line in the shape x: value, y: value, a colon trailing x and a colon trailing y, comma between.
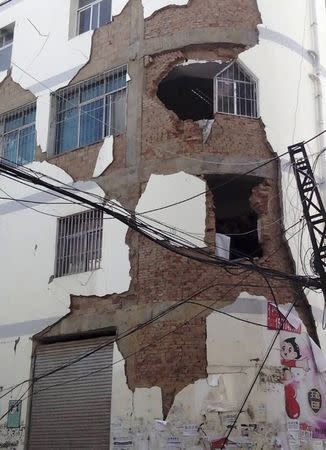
x: 225, y: 440
x: 188, y: 300
x: 156, y: 235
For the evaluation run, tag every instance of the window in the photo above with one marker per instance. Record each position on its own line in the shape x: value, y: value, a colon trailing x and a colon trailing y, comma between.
x: 92, y: 14
x: 235, y: 92
x: 91, y: 110
x: 6, y: 40
x: 71, y: 408
x: 236, y: 223
x: 17, y: 134
x: 197, y: 91
x: 79, y: 243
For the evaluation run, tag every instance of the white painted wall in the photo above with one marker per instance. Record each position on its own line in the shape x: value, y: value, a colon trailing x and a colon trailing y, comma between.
x: 188, y: 217
x: 231, y: 367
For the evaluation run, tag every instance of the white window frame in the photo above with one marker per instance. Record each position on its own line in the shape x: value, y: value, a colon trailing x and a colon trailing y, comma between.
x: 91, y: 7
x: 106, y: 97
x: 4, y: 45
x: 19, y: 129
x: 236, y: 83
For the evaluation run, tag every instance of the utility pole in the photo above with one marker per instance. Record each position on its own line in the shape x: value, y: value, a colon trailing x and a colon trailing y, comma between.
x: 313, y: 210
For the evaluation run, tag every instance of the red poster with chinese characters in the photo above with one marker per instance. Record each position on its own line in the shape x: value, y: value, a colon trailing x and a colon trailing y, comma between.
x: 275, y: 318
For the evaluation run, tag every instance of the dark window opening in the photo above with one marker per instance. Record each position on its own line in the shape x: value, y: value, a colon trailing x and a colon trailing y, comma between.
x: 188, y: 90
x: 236, y: 223
x: 197, y: 91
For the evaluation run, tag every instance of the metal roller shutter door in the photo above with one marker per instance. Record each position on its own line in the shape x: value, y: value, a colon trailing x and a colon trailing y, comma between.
x: 74, y: 413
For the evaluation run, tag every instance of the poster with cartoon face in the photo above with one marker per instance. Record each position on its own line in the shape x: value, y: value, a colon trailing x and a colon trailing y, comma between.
x: 304, y: 386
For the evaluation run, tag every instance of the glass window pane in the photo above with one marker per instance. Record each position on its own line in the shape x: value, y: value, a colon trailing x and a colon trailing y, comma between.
x: 26, y: 145
x: 95, y: 16
x: 5, y: 58
x: 68, y: 101
x: 91, y: 122
x: 29, y: 116
x: 83, y: 3
x: 118, y: 112
x: 84, y: 18
x: 10, y: 146
x: 116, y: 80
x: 67, y: 131
x: 105, y: 13
x: 13, y: 122
x: 92, y: 90
x: 8, y: 37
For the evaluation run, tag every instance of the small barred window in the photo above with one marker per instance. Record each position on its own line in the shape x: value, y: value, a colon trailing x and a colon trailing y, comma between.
x: 79, y: 243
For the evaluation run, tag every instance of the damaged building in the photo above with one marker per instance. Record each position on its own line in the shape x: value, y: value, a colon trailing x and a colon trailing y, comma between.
x: 189, y: 317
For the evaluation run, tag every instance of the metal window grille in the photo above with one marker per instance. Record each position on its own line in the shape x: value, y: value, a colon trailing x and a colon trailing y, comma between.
x: 79, y: 243
x: 236, y: 92
x: 17, y: 134
x: 91, y: 110
x: 92, y: 14
x: 6, y: 41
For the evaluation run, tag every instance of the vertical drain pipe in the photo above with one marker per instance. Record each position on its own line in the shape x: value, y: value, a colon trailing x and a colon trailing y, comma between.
x: 316, y: 77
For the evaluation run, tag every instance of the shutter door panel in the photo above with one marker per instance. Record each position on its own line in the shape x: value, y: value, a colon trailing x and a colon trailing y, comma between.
x: 71, y: 408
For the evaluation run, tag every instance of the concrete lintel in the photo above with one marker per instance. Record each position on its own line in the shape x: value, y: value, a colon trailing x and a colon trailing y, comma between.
x: 201, y: 36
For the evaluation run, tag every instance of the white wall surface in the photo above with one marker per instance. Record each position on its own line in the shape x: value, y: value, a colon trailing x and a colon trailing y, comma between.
x: 188, y: 217
x: 29, y: 295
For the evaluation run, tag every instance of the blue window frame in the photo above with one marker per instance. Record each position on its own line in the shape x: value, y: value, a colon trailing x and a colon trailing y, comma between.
x: 18, y: 138
x: 89, y: 111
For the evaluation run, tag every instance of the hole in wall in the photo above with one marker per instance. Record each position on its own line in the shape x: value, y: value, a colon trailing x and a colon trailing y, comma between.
x: 197, y: 91
x: 236, y: 223
x: 188, y: 90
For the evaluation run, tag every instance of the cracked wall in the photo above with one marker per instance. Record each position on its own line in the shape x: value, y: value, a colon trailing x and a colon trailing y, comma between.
x: 155, y: 145
x: 201, y: 411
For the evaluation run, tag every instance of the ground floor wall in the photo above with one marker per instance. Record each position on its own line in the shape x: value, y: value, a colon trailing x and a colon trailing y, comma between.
x: 283, y: 409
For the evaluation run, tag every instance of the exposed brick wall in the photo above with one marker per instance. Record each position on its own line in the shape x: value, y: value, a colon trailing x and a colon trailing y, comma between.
x: 79, y: 163
x: 175, y: 357
x: 199, y: 13
x: 109, y: 47
x: 13, y: 95
x: 158, y: 275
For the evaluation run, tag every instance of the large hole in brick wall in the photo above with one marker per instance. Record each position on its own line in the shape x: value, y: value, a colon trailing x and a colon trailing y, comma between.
x: 236, y: 223
x: 188, y: 90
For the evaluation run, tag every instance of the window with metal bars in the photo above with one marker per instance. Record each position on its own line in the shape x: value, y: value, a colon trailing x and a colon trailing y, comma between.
x: 92, y: 14
x: 91, y: 110
x: 236, y: 92
x: 79, y: 243
x: 6, y: 41
x: 17, y: 134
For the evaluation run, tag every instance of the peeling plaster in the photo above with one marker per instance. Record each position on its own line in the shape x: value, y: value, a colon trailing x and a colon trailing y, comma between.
x: 105, y: 157
x: 212, y: 402
x: 162, y: 190
x: 43, y: 104
x: 36, y: 268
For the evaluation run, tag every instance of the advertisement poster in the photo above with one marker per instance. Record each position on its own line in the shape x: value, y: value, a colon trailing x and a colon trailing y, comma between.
x: 304, y: 380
